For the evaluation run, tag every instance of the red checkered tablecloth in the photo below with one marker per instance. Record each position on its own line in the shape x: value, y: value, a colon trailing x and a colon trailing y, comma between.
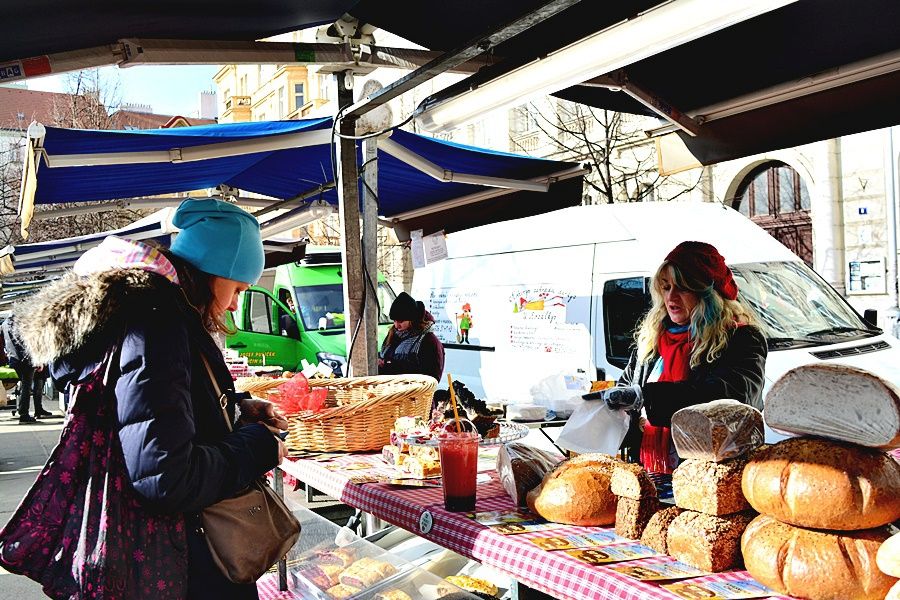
x: 421, y: 511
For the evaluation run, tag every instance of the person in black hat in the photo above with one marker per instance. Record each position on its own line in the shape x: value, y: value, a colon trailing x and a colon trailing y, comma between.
x: 410, y: 345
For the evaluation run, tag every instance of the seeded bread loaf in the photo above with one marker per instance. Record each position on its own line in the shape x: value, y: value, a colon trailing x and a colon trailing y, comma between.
x: 716, y: 431
x: 577, y: 492
x: 707, y: 542
x: 838, y: 402
x: 709, y: 487
x: 630, y: 480
x: 823, y: 484
x: 654, y: 534
x: 819, y: 565
x: 632, y: 515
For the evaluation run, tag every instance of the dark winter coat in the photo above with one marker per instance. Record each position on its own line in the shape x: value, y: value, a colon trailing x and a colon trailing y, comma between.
x: 738, y: 373
x: 419, y: 351
x: 179, y: 453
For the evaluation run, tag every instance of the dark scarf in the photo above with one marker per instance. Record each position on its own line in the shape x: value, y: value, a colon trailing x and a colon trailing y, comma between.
x: 402, y: 349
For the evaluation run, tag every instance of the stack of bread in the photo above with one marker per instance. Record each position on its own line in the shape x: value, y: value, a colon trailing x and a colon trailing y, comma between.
x: 825, y: 501
x: 419, y: 461
x: 637, y: 500
x: 716, y: 439
x: 577, y: 492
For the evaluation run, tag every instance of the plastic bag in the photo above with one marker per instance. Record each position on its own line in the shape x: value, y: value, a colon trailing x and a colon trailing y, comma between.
x: 594, y: 427
x: 717, y: 430
x: 522, y: 468
x: 561, y: 392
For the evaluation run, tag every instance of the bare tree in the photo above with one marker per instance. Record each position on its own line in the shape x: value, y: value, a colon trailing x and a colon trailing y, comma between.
x: 623, y: 161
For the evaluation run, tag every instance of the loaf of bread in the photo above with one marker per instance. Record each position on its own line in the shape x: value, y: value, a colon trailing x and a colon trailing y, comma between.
x: 522, y: 468
x: 707, y: 542
x: 823, y: 484
x: 654, y: 534
x: 709, y: 487
x: 888, y: 557
x: 577, y: 492
x: 819, y: 565
x: 632, y: 515
x: 717, y: 430
x: 630, y: 480
x: 837, y: 402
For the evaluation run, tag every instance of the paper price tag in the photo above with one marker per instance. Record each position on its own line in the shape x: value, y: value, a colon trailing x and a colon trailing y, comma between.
x: 738, y: 589
x: 661, y: 571
x: 612, y: 554
x: 572, y: 542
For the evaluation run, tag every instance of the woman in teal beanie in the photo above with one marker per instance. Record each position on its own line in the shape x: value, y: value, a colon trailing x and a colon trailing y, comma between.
x: 161, y: 308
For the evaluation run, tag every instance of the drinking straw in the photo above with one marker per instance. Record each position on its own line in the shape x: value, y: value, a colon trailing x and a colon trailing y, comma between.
x: 453, y: 402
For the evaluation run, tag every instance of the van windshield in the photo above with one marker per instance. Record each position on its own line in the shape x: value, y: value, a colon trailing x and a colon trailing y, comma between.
x: 794, y: 304
x: 322, y: 306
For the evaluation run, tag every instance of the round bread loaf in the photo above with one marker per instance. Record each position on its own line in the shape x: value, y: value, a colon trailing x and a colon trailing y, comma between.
x: 823, y: 484
x: 888, y: 557
x: 577, y: 492
x: 819, y: 565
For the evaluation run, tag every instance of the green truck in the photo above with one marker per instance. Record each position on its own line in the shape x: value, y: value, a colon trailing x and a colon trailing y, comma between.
x: 270, y: 333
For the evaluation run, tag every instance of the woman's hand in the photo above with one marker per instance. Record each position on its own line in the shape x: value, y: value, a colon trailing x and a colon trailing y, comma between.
x: 254, y: 410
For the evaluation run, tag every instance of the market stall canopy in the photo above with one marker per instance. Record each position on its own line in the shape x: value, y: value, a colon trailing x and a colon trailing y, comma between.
x: 422, y: 182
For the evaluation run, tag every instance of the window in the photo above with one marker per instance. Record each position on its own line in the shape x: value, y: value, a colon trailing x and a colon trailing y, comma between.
x: 624, y: 303
x: 322, y: 306
x: 280, y: 107
x: 299, y: 95
x: 772, y: 189
x: 260, y: 312
x: 243, y: 86
x: 522, y: 119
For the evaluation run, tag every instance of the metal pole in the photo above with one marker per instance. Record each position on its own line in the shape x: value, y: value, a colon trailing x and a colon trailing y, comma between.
x: 892, y: 314
x: 347, y: 179
x: 370, y: 253
x: 278, y: 480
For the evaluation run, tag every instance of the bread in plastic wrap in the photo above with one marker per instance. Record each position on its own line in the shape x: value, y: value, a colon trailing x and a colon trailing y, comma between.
x: 717, y: 431
x: 838, y: 402
x: 522, y: 468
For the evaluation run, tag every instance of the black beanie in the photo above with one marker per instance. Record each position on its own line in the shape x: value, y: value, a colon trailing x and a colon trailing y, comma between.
x: 405, y: 308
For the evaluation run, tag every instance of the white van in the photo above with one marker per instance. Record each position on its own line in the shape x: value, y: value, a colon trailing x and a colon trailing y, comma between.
x: 562, y: 293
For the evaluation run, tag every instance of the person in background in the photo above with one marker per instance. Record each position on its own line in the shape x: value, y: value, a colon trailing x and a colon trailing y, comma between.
x: 31, y: 377
x: 697, y: 343
x: 410, y: 346
x: 161, y: 309
x: 288, y: 321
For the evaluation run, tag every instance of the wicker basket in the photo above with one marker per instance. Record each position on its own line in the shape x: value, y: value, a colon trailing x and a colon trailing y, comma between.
x: 361, y: 414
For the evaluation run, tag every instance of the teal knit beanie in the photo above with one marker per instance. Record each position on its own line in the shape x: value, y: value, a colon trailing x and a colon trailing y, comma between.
x: 220, y: 239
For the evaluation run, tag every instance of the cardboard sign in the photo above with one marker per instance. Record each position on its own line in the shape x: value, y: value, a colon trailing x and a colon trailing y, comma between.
x: 739, y: 589
x: 573, y: 542
x: 660, y: 571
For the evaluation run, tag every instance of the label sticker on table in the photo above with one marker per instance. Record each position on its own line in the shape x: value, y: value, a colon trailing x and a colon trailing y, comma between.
x: 425, y: 522
x: 572, y: 542
x: 612, y: 554
x: 658, y: 571
x: 737, y: 589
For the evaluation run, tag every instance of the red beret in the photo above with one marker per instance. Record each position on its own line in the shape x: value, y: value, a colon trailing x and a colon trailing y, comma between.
x: 702, y: 262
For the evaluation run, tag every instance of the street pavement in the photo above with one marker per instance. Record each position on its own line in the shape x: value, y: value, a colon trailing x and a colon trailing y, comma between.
x: 23, y: 451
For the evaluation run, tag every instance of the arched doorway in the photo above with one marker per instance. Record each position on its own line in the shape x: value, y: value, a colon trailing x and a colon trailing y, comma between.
x: 774, y: 197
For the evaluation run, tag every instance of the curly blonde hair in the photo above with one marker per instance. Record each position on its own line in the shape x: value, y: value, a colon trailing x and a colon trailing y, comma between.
x: 711, y: 319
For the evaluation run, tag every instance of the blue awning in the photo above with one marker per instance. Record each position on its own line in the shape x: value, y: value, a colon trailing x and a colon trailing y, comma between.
x: 286, y: 159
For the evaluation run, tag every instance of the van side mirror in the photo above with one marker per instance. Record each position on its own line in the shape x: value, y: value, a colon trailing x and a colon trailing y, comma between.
x: 870, y: 316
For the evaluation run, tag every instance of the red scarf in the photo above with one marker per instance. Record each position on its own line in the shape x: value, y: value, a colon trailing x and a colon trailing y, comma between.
x: 675, y: 352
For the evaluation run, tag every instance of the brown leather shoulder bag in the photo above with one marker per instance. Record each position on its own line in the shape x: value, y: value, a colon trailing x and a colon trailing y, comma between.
x: 250, y: 531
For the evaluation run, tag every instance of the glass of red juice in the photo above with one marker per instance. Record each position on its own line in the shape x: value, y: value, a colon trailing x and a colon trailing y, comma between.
x: 459, y: 469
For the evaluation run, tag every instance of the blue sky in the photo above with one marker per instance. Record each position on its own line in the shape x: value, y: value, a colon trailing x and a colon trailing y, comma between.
x: 169, y: 90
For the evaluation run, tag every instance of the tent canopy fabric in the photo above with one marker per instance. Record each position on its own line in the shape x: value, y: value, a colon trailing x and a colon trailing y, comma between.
x: 282, y: 174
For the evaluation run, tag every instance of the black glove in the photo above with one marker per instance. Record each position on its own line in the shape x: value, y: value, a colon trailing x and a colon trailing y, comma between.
x: 623, y: 397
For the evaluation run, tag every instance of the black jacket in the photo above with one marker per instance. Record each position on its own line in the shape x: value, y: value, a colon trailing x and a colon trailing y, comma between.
x: 738, y: 373
x: 178, y: 451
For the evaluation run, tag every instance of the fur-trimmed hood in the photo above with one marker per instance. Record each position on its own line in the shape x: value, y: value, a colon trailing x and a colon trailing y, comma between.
x: 78, y: 312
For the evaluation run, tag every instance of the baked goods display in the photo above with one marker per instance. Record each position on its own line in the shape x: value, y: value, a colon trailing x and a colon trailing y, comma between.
x: 577, y: 492
x: 522, y: 468
x: 823, y: 565
x: 474, y: 585
x: 824, y: 484
x: 657, y: 529
x: 838, y: 402
x: 717, y: 430
x: 475, y: 409
x: 630, y: 480
x: 342, y: 572
x: 707, y: 542
x: 632, y: 515
x: 366, y: 572
x: 713, y: 488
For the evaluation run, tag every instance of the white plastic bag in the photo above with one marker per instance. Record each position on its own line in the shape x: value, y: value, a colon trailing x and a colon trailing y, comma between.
x: 594, y: 427
x: 560, y: 392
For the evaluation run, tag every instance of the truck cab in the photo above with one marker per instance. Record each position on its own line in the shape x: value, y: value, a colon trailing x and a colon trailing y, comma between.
x: 297, y: 313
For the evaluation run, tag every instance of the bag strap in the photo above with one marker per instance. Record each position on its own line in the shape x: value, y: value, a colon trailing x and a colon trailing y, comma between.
x: 223, y: 399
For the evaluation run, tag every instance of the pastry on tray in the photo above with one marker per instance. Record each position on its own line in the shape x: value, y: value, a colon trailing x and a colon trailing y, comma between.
x: 420, y: 468
x: 339, y: 556
x: 474, y: 585
x: 366, y: 572
x: 341, y: 591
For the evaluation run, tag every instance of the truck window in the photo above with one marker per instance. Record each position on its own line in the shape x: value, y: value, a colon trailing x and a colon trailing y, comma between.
x: 624, y: 303
x: 260, y: 312
x: 322, y: 306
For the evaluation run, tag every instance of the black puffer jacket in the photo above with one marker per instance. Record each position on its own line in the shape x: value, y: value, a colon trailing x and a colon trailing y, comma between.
x: 179, y: 453
x: 738, y: 373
